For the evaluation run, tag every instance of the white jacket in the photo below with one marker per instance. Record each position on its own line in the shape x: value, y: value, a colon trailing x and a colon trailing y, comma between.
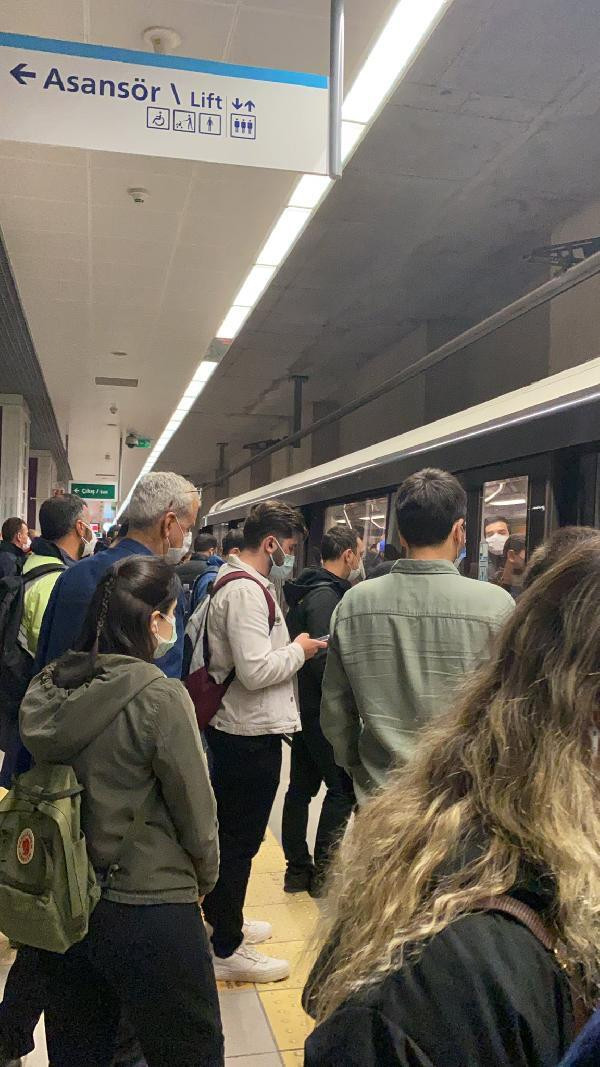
x: 262, y: 697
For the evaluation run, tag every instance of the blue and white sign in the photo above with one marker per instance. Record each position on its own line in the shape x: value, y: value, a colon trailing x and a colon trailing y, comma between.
x: 116, y: 100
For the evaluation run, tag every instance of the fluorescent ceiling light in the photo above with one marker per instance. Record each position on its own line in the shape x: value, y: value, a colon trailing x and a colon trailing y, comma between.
x: 389, y: 57
x: 309, y: 190
x: 351, y: 135
x: 233, y: 322
x: 254, y: 286
x: 203, y: 373
x: 185, y: 403
x: 283, y: 235
x: 508, y: 503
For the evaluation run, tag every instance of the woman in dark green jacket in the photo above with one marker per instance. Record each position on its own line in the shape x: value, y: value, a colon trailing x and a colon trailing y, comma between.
x: 131, y: 736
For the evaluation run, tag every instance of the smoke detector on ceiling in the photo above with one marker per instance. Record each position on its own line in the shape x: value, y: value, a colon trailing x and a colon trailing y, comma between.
x: 139, y: 196
x: 162, y: 39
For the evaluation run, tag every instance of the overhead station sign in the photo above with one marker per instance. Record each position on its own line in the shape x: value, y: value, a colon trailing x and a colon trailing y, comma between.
x: 117, y: 100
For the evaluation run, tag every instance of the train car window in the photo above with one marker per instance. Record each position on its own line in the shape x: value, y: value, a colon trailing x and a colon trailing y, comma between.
x: 369, y: 518
x: 503, y: 534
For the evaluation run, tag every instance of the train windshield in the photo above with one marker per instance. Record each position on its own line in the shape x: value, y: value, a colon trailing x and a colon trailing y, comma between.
x: 369, y: 518
x: 503, y: 534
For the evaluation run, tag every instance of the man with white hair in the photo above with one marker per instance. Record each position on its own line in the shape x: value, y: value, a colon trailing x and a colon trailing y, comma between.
x: 161, y: 514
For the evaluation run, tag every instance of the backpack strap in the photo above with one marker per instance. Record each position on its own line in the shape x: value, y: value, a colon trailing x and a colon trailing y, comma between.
x: 528, y: 917
x: 41, y: 572
x: 235, y: 576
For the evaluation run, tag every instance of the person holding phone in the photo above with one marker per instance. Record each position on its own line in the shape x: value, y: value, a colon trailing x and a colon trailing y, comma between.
x: 313, y: 598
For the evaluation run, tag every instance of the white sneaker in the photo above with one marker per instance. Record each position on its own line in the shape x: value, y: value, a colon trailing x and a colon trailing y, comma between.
x: 255, y: 932
x: 248, y: 965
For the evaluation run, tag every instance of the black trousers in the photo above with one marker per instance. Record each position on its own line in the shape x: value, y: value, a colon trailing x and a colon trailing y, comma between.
x: 245, y: 776
x: 155, y: 961
x: 312, y: 764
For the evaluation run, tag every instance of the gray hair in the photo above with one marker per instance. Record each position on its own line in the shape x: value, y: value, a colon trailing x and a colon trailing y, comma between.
x: 157, y: 493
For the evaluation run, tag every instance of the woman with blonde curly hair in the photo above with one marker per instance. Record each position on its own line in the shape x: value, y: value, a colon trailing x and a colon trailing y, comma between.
x: 465, y: 903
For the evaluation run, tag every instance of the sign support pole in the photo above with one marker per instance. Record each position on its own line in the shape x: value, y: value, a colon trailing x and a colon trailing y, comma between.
x: 336, y: 87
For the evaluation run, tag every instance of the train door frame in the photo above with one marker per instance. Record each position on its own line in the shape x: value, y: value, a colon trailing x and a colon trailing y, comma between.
x: 540, y: 509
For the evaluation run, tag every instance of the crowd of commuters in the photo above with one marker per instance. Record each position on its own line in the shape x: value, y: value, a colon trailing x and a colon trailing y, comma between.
x: 456, y: 735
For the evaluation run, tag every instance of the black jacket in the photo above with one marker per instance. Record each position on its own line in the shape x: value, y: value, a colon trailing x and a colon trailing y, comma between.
x: 483, y: 993
x: 188, y: 572
x: 12, y: 559
x: 312, y: 599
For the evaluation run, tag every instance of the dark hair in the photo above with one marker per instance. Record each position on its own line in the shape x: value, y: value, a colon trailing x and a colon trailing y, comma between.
x: 233, y: 539
x: 428, y: 504
x: 514, y: 543
x: 338, y: 540
x: 113, y: 532
x: 272, y: 518
x: 118, y: 617
x: 204, y: 542
x: 11, y: 527
x: 123, y: 529
x: 390, y: 552
x: 557, y: 546
x: 59, y: 514
x: 495, y: 518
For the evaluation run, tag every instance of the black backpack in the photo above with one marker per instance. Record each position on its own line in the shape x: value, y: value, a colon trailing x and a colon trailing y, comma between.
x: 16, y: 663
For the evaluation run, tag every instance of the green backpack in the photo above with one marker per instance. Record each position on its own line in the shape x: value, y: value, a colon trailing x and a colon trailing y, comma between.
x: 48, y: 887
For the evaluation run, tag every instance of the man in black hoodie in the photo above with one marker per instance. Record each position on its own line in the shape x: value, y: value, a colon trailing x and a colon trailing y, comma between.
x: 13, y: 546
x: 312, y: 600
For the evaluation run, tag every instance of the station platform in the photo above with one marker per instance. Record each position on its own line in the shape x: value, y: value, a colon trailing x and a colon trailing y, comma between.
x: 264, y: 1025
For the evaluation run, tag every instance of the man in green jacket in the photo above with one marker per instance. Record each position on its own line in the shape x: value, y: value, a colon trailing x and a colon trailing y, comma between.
x: 402, y: 643
x: 66, y: 531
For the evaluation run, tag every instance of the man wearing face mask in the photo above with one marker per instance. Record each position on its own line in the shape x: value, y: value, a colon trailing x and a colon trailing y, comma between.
x: 401, y: 644
x: 161, y: 514
x: 245, y: 735
x: 14, y: 546
x: 496, y: 532
x: 312, y: 600
x: 66, y: 533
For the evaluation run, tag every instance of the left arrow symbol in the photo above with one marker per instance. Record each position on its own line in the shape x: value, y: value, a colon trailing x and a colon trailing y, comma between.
x: 20, y: 74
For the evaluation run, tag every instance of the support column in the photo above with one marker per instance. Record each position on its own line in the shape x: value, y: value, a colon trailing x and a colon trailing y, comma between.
x: 14, y: 456
x: 42, y: 483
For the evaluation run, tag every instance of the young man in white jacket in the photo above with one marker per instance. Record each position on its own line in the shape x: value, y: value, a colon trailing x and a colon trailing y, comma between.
x: 246, y: 734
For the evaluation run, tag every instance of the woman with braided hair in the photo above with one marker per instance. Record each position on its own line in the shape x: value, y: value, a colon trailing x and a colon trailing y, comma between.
x: 148, y: 814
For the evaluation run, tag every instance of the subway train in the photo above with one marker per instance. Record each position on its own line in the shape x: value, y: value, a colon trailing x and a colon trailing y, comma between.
x: 530, y: 457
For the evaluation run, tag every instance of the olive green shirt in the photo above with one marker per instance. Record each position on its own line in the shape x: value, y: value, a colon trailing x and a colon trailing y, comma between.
x: 399, y: 647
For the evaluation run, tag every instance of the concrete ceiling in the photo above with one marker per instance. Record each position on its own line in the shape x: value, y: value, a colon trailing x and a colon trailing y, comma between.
x: 491, y: 140
x: 97, y: 274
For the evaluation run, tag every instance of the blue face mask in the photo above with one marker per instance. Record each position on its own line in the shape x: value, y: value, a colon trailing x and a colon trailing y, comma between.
x: 284, y: 570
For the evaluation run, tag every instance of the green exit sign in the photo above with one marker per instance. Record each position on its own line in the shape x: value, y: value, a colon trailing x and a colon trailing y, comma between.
x: 93, y: 490
x: 143, y: 442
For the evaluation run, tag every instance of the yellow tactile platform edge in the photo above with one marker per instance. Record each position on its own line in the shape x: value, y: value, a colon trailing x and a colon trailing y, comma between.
x: 294, y: 919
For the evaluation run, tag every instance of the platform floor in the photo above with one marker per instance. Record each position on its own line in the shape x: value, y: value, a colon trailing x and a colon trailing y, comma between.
x: 264, y: 1025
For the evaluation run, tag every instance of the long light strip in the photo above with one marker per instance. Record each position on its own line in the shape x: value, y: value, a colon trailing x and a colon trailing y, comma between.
x: 407, y: 28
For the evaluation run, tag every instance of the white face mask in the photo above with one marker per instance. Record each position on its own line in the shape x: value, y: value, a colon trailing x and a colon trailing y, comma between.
x: 164, y: 644
x: 284, y: 570
x: 175, y: 555
x: 357, y: 573
x: 496, y: 543
x: 27, y: 545
x: 88, y: 546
